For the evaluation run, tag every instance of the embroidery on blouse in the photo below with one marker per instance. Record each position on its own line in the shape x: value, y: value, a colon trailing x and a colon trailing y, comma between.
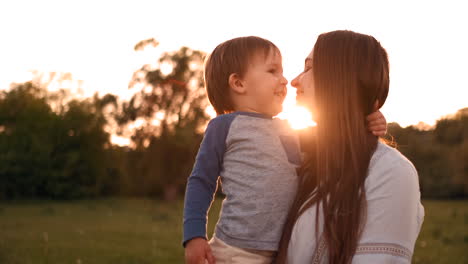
x: 319, y: 251
x: 366, y: 248
x: 384, y: 248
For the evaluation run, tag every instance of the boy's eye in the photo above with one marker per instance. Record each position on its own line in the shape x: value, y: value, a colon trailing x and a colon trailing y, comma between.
x: 272, y: 71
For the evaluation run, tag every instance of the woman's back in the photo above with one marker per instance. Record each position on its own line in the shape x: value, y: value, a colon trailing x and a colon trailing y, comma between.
x: 393, y: 219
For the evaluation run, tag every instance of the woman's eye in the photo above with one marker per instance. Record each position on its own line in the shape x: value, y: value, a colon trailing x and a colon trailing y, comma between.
x: 272, y: 71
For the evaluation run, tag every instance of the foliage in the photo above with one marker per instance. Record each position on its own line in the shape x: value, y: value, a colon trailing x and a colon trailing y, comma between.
x: 173, y: 107
x: 55, y: 146
x: 49, y: 154
x: 440, y: 155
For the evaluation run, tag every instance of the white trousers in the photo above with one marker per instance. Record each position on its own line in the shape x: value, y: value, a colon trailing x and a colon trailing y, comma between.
x: 226, y: 254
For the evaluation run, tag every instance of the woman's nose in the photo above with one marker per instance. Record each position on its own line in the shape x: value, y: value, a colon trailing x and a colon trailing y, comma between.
x: 295, y: 82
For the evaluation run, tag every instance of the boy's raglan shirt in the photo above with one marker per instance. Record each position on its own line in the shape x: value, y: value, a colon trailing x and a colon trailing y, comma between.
x: 202, y: 182
x: 256, y: 158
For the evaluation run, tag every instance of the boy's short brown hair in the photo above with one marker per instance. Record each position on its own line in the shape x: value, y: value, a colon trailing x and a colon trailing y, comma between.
x: 232, y: 56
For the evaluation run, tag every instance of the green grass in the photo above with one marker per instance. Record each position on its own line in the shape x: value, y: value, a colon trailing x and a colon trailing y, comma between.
x: 127, y: 231
x: 444, y: 234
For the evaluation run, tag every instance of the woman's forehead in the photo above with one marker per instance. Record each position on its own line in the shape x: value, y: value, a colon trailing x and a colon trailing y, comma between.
x: 308, y: 59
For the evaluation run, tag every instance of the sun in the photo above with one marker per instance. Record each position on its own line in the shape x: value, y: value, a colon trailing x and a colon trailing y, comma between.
x: 297, y: 116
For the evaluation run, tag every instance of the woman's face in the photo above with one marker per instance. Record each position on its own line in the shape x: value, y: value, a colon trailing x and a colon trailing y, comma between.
x: 304, y: 83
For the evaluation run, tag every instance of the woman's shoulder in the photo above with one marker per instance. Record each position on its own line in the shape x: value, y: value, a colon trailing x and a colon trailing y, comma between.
x: 389, y: 157
x: 389, y: 167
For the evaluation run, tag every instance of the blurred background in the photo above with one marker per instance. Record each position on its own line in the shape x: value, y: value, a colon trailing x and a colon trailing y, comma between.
x: 102, y: 110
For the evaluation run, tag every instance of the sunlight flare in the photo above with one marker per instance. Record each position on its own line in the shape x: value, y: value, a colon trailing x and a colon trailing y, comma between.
x: 297, y: 116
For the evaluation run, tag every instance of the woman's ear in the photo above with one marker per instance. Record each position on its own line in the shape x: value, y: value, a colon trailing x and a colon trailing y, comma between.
x: 236, y: 83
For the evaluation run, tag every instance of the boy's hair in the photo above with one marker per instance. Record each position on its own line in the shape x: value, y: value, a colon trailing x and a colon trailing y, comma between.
x: 232, y: 56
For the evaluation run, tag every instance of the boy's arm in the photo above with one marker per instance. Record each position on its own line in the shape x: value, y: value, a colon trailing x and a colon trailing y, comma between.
x: 201, y: 185
x: 376, y: 123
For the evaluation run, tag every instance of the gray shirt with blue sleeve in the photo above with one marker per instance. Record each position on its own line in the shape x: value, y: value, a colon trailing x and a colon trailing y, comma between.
x: 255, y: 157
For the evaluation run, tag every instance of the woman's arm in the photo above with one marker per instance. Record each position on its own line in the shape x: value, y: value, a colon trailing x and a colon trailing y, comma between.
x: 394, y: 212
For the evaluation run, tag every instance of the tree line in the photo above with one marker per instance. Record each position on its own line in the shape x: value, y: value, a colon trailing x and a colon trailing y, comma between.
x: 54, y: 146
x: 439, y: 154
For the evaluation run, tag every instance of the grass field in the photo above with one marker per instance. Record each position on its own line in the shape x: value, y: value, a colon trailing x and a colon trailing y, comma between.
x: 140, y: 231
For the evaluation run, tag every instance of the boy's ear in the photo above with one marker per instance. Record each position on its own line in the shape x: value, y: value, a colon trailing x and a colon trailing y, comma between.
x: 236, y: 83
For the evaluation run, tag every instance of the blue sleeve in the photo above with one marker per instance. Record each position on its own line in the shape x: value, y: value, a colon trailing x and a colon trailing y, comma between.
x: 201, y: 185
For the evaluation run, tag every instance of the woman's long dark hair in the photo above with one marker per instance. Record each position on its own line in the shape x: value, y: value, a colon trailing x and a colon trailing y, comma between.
x: 351, y: 73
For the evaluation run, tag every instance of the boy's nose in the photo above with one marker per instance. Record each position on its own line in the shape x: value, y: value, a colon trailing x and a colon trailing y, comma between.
x: 284, y: 81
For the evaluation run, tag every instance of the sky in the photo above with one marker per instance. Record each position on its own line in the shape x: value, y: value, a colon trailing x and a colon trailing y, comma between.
x: 93, y: 40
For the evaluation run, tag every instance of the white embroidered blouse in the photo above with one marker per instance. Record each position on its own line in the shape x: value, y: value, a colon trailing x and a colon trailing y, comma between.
x: 394, y: 216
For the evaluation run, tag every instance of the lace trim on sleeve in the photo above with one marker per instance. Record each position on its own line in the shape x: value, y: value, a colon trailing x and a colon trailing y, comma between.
x: 319, y: 251
x: 367, y: 248
x: 384, y: 248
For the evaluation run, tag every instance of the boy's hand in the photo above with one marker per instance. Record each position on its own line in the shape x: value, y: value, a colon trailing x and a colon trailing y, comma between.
x: 377, y: 124
x: 197, y: 251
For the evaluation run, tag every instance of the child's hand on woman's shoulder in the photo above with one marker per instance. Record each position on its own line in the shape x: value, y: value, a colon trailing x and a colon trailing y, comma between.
x: 197, y: 251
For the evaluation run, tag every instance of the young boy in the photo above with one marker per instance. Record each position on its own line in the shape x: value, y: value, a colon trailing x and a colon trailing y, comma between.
x: 254, y: 155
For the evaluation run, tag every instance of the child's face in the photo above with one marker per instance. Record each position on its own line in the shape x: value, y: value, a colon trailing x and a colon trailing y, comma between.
x: 265, y: 84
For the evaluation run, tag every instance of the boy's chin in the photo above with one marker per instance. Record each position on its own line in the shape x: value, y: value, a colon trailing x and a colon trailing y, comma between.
x: 277, y: 111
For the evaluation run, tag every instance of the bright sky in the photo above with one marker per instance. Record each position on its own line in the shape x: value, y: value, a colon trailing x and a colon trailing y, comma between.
x: 427, y: 41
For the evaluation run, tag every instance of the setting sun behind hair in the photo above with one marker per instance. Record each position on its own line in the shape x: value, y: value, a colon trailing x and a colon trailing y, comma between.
x: 297, y: 116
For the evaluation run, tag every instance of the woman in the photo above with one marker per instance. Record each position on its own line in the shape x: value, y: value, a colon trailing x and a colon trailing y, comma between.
x: 358, y: 199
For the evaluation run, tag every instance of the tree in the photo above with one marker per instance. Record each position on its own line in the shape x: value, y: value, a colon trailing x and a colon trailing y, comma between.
x: 49, y: 154
x: 453, y: 132
x: 25, y: 121
x: 440, y: 155
x: 173, y: 106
